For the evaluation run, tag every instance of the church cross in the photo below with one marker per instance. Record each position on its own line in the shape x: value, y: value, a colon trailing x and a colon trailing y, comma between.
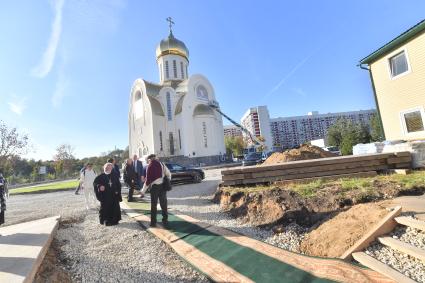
x: 170, y: 23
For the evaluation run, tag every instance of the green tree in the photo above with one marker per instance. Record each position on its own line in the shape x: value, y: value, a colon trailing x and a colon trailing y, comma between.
x: 12, y: 144
x: 234, y: 145
x: 345, y: 134
x: 377, y: 133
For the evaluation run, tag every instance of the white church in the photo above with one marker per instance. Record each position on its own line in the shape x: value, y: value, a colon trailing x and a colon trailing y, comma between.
x: 172, y: 118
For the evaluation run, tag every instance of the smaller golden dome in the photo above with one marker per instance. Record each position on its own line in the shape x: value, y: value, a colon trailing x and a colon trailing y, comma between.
x: 172, y: 45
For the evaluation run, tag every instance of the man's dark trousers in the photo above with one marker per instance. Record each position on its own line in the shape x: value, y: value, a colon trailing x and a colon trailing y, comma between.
x: 157, y: 192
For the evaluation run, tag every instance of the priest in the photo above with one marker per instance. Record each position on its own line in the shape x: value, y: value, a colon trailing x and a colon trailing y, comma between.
x: 107, y: 188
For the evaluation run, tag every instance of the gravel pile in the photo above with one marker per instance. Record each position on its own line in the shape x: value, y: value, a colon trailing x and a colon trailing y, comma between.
x: 409, y: 266
x: 124, y: 253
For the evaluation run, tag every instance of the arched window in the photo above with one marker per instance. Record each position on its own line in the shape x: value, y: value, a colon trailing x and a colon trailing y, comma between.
x: 138, y: 96
x: 160, y: 141
x: 167, y: 70
x: 175, y: 68
x: 168, y: 97
x: 180, y: 140
x: 160, y: 71
x: 181, y: 70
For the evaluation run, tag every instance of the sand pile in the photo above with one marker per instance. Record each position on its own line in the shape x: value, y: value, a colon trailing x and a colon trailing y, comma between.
x: 304, y: 152
x: 334, y: 237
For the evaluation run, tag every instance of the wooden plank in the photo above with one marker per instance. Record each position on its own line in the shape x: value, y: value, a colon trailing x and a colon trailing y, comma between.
x: 403, y: 165
x: 328, y: 178
x: 378, y: 266
x: 396, y: 160
x: 386, y: 225
x: 411, y: 222
x: 292, y: 171
x: 403, y: 153
x: 403, y: 247
x: 305, y: 163
x: 301, y: 176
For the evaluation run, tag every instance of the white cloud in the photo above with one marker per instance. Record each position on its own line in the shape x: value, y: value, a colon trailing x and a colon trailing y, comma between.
x: 17, y: 106
x: 46, y: 64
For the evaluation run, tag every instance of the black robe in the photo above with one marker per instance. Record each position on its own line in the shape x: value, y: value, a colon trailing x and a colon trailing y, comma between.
x: 110, y: 198
x: 2, y: 199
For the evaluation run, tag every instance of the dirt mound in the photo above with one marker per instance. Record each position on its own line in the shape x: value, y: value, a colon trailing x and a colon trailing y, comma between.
x: 335, y: 236
x: 304, y: 152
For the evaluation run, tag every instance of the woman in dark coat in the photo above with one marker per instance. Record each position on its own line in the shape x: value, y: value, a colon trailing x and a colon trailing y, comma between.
x: 107, y: 188
x: 130, y: 178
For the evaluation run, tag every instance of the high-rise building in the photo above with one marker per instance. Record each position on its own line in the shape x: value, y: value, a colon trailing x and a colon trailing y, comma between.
x: 232, y: 131
x: 289, y: 132
x: 257, y: 121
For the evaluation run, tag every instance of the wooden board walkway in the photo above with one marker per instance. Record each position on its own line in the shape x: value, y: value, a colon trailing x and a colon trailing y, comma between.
x: 316, y: 168
x: 226, y: 256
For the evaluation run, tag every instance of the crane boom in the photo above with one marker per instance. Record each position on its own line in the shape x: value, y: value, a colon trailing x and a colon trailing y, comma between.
x: 214, y: 106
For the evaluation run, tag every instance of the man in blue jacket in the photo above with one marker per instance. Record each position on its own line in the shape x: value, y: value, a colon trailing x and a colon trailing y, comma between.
x: 138, y: 168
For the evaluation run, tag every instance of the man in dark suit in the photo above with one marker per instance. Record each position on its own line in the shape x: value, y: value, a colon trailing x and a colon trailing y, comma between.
x: 138, y: 168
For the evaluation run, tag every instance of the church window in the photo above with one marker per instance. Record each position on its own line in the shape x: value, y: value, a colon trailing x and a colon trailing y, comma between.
x: 171, y: 143
x: 160, y: 141
x: 169, y: 106
x: 181, y: 69
x: 175, y: 68
x: 186, y: 72
x: 204, y: 133
x: 201, y: 93
x: 180, y: 140
x: 138, y: 95
x: 160, y: 71
x: 167, y: 70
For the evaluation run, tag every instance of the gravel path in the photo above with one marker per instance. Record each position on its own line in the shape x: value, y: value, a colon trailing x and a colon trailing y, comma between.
x: 409, y: 266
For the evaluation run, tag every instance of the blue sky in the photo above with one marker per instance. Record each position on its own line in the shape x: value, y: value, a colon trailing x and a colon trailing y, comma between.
x: 66, y: 67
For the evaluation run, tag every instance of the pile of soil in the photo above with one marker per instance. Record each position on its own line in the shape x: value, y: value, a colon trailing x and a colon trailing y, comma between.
x: 304, y: 152
x: 335, y: 236
x: 281, y: 205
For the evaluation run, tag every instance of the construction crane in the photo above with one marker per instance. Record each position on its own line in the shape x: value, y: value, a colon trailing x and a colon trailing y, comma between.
x: 214, y: 105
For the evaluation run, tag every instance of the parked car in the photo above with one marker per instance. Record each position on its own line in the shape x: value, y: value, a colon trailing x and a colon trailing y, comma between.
x: 333, y: 149
x: 180, y: 174
x: 252, y: 158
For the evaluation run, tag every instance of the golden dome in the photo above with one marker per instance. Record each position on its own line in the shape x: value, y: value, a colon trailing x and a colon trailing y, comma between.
x: 172, y: 45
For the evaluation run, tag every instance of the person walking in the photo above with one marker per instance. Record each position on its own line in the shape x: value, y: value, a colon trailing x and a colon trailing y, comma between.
x: 87, y: 178
x: 154, y: 179
x: 3, y: 194
x: 78, y: 188
x: 107, y: 188
x: 138, y: 168
x: 130, y: 178
x: 116, y: 168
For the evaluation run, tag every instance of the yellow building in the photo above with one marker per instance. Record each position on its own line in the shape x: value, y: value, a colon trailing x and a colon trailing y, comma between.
x: 397, y: 72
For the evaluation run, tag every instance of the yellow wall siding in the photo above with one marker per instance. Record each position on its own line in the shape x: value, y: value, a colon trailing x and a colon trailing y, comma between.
x: 401, y: 93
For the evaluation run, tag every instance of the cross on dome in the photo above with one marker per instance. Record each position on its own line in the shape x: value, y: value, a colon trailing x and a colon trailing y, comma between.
x: 170, y: 24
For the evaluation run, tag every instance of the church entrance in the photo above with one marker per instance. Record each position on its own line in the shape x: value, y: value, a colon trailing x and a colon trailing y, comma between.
x: 171, y: 138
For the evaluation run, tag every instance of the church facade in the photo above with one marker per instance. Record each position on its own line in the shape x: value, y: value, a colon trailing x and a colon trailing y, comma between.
x: 172, y: 118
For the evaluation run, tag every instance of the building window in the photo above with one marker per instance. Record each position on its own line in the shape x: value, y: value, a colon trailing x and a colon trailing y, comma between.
x: 187, y: 76
x: 413, y: 120
x: 167, y: 70
x: 398, y: 64
x: 160, y: 71
x: 160, y: 141
x: 171, y: 143
x: 180, y: 140
x: 138, y: 96
x: 169, y: 106
x: 175, y: 68
x: 204, y: 133
x: 181, y: 69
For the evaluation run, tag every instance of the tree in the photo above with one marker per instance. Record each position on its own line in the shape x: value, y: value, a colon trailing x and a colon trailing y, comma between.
x: 345, y: 134
x: 234, y: 145
x: 64, y: 159
x: 377, y: 133
x: 12, y: 143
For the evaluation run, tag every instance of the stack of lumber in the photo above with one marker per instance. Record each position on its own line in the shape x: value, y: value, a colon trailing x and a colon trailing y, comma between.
x: 332, y: 167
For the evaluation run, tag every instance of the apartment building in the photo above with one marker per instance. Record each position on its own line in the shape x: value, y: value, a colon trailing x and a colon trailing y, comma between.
x: 257, y: 121
x: 289, y: 132
x: 232, y: 131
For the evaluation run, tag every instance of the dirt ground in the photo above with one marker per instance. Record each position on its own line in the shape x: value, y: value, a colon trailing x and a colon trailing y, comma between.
x: 335, y: 236
x: 50, y: 270
x: 304, y: 152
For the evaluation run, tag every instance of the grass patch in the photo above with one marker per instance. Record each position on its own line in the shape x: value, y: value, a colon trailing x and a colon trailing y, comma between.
x: 46, y: 188
x: 364, y: 186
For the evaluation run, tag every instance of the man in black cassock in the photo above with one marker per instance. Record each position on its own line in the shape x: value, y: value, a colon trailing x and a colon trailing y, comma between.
x: 3, y: 190
x: 107, y: 188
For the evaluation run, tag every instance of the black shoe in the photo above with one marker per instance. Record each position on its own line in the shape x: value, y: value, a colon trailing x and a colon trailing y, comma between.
x: 165, y: 222
x: 108, y: 224
x: 152, y: 224
x: 130, y: 200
